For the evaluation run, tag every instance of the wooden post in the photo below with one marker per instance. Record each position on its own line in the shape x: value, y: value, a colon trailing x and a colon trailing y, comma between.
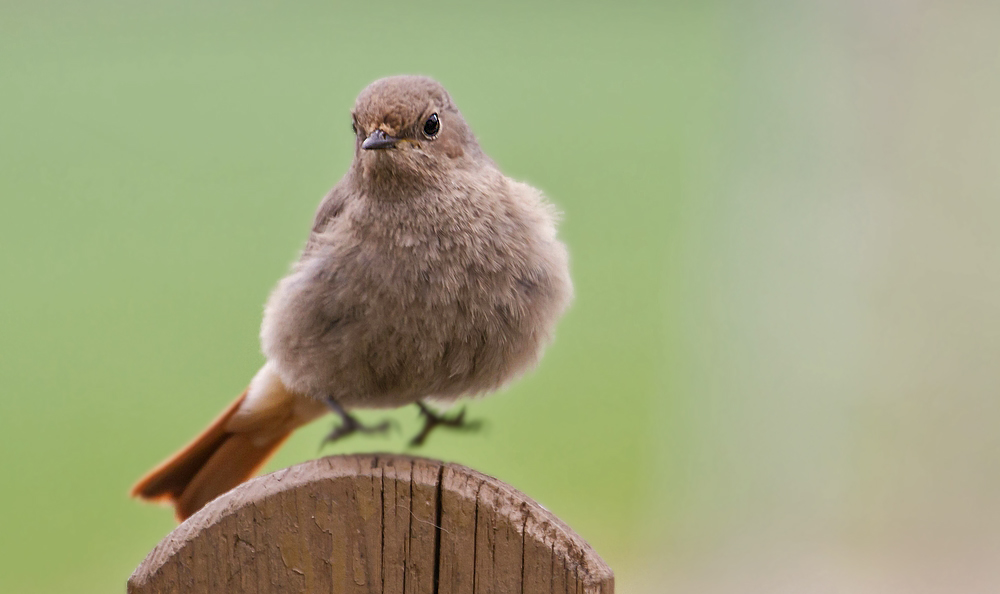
x: 374, y: 524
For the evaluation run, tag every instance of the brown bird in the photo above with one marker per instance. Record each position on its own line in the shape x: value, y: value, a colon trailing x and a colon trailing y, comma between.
x: 428, y: 275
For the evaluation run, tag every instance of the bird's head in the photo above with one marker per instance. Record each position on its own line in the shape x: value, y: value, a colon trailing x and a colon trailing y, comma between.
x: 409, y: 134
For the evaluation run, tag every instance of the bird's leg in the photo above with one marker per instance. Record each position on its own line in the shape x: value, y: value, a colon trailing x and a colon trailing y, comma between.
x: 349, y: 424
x: 433, y: 419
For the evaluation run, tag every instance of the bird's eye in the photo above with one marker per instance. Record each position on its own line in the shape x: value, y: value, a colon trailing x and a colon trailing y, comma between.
x: 432, y: 126
x: 354, y: 128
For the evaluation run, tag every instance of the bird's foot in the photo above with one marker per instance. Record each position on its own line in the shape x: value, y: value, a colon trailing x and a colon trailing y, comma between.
x: 433, y: 420
x: 350, y: 425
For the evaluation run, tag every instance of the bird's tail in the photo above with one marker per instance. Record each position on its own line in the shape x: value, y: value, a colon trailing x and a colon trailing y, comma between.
x: 232, y: 448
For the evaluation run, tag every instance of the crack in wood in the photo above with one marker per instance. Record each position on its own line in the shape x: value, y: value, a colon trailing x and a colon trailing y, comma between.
x: 382, y: 508
x: 475, y: 541
x: 437, y: 527
x: 409, y: 532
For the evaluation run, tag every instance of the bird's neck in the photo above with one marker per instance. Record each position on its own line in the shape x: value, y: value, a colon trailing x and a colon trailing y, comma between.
x: 389, y: 182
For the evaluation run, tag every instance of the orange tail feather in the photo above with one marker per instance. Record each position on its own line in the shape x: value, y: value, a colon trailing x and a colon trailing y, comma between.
x: 237, y: 443
x: 211, y: 464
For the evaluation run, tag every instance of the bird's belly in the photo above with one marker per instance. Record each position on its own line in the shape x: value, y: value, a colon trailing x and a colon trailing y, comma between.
x: 394, y: 340
x: 444, y: 348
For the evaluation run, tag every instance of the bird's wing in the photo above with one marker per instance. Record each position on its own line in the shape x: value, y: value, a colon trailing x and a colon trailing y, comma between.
x: 329, y: 209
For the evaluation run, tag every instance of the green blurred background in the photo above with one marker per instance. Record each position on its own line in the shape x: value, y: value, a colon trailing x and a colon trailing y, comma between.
x: 780, y: 373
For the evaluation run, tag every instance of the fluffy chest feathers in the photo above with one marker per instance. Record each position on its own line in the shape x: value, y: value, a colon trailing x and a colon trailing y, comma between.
x: 441, y: 247
x: 452, y: 293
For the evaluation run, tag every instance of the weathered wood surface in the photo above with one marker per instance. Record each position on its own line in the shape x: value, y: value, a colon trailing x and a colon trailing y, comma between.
x: 379, y: 524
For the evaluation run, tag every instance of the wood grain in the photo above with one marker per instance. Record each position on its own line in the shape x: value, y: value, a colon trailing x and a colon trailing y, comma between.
x: 380, y: 524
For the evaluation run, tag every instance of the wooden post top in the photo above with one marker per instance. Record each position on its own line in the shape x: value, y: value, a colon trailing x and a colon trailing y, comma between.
x: 373, y: 524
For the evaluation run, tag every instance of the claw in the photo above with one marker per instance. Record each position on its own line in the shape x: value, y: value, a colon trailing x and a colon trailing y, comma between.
x: 350, y: 425
x: 433, y: 419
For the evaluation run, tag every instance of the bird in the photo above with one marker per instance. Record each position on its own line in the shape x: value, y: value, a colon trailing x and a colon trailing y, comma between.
x: 428, y: 275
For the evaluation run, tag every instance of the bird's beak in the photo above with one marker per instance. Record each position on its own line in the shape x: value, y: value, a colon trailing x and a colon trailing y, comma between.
x: 378, y: 140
